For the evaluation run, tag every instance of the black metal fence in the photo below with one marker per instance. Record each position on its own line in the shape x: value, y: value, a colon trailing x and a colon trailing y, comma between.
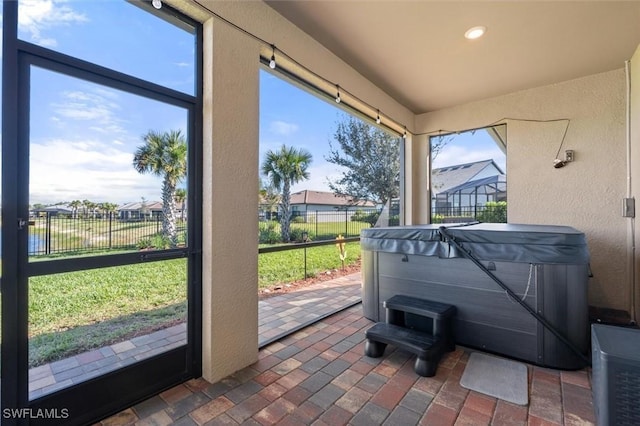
x: 51, y: 233
x: 492, y: 213
x: 321, y: 225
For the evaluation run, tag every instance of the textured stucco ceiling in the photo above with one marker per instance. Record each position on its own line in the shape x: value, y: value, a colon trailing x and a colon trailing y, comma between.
x: 416, y: 50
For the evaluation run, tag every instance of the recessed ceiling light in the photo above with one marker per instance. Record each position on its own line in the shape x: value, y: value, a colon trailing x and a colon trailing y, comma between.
x: 475, y: 32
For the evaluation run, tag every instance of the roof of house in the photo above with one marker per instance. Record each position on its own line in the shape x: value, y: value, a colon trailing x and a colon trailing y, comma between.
x: 448, y: 177
x: 488, y: 185
x: 326, y: 198
x: 64, y: 208
x: 151, y: 205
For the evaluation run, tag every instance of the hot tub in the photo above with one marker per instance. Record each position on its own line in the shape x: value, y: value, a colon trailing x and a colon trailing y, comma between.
x: 547, y: 267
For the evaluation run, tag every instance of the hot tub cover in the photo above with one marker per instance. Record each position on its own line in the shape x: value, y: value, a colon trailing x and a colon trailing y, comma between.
x: 486, y: 241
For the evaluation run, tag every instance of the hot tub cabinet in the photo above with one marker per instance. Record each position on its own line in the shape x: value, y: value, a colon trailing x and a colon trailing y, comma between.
x: 545, y: 266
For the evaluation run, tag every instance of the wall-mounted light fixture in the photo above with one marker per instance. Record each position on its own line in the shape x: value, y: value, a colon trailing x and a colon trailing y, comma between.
x: 569, y: 156
x: 558, y: 163
x: 272, y: 62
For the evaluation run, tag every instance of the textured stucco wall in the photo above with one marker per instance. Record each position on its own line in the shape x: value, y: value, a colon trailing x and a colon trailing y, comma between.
x: 634, y: 121
x: 585, y: 194
x: 230, y: 175
x: 230, y: 261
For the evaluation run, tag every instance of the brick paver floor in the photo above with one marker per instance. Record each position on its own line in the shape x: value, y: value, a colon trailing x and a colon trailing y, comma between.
x: 277, y: 315
x: 60, y: 374
x: 280, y: 315
x: 320, y: 375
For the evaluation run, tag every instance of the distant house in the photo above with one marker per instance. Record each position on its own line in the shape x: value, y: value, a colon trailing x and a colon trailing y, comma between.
x: 323, y: 206
x: 457, y: 189
x: 59, y: 209
x: 149, y: 210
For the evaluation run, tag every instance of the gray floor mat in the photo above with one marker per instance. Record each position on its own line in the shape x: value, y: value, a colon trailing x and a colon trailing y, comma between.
x: 498, y: 377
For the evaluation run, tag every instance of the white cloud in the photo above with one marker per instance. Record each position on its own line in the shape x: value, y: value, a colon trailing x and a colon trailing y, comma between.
x: 37, y: 16
x: 283, y: 128
x: 96, y: 106
x: 62, y: 170
x: 183, y: 64
x: 319, y: 176
x: 452, y: 155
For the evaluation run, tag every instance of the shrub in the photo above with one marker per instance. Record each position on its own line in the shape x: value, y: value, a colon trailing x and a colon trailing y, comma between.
x: 268, y: 234
x: 156, y: 241
x: 494, y: 212
x: 144, y: 243
x: 296, y: 235
x: 298, y: 219
x: 368, y: 217
x: 437, y: 218
x: 372, y: 217
x: 161, y: 242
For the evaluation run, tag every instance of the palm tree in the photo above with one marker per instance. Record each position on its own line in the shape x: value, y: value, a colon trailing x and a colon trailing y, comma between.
x: 89, y: 207
x: 75, y: 205
x: 164, y: 154
x: 180, y: 198
x: 268, y: 196
x: 284, y: 168
x: 109, y: 209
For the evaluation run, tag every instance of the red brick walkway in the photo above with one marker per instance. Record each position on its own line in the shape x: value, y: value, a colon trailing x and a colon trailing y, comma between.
x: 320, y: 376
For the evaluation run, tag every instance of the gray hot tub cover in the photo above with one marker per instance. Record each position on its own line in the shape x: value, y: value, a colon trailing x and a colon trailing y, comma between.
x: 486, y: 241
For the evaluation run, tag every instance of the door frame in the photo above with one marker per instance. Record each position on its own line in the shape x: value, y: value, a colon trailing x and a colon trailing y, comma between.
x: 114, y: 391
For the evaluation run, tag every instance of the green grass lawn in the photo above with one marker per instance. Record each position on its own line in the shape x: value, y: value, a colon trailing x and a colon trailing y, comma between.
x: 78, y: 311
x: 322, y: 230
x: 287, y: 266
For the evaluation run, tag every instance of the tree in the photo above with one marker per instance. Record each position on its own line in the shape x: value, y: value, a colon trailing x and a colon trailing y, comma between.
x: 268, y: 196
x: 75, y: 205
x: 164, y: 154
x: 284, y: 168
x: 108, y: 209
x: 439, y: 142
x: 181, y: 198
x: 371, y: 158
x: 89, y: 207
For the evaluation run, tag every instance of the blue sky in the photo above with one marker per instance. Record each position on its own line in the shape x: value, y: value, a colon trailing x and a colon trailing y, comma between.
x: 470, y: 146
x: 83, y: 135
x: 291, y: 116
x: 294, y: 117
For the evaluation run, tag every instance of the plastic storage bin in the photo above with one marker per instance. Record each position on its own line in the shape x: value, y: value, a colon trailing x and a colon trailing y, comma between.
x: 616, y: 375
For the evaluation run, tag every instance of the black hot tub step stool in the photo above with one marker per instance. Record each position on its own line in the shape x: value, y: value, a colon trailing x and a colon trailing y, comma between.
x: 441, y: 315
x: 427, y: 346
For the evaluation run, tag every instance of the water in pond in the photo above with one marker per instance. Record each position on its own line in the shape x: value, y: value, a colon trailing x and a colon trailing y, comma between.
x: 35, y: 245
